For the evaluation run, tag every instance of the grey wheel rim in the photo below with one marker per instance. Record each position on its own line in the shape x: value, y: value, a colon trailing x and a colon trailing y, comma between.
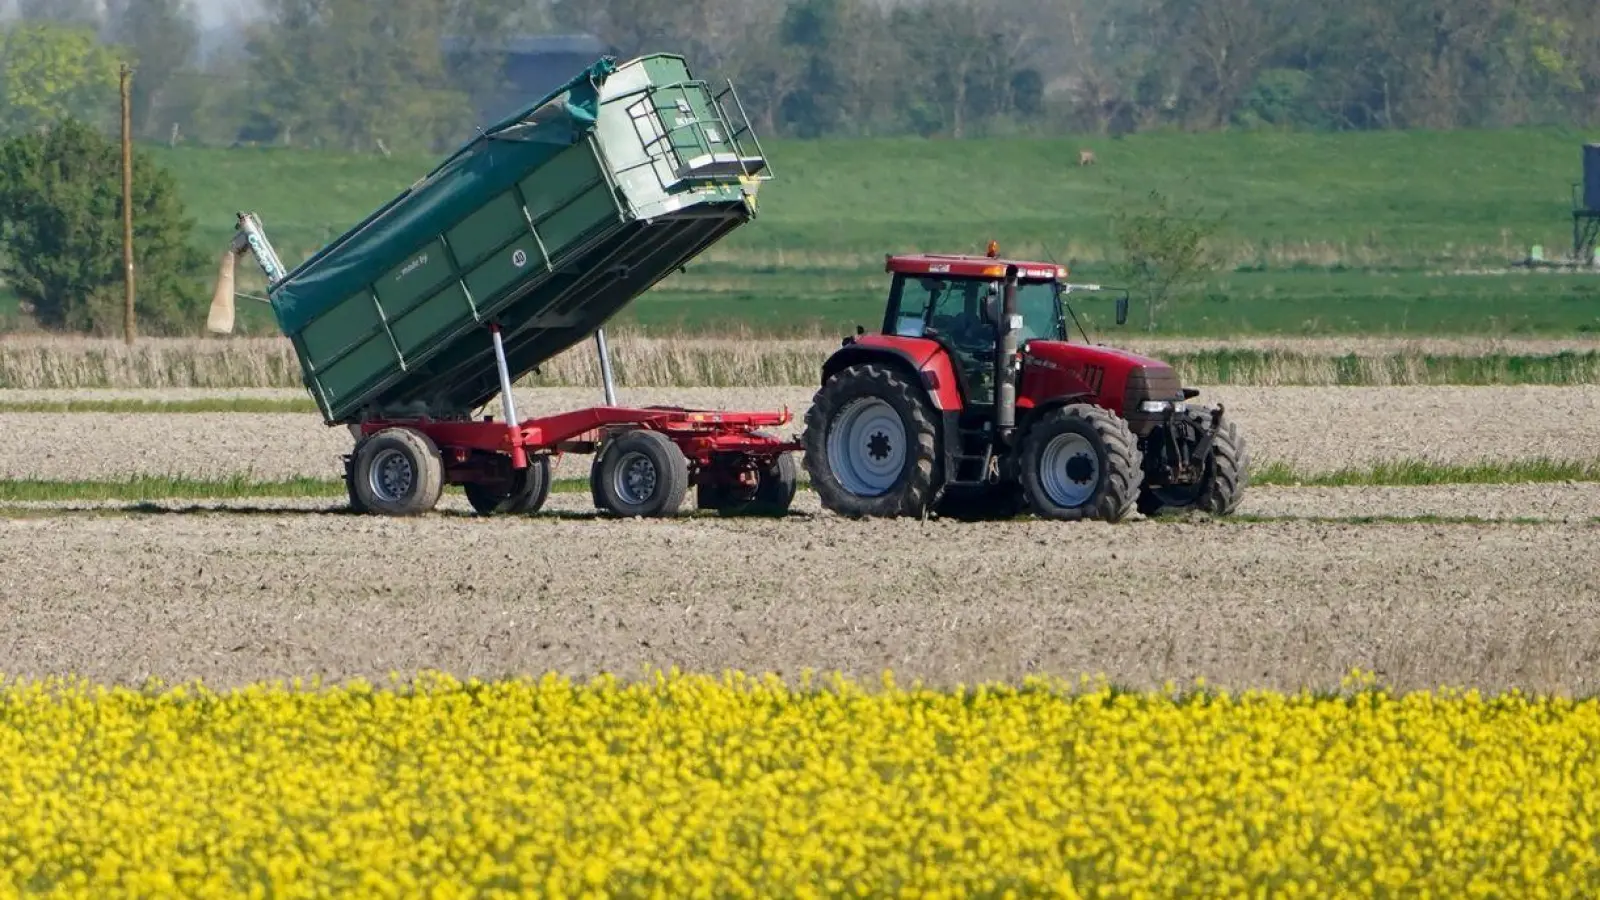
x: 635, y: 478
x: 391, y: 476
x: 1069, y: 470
x: 867, y: 447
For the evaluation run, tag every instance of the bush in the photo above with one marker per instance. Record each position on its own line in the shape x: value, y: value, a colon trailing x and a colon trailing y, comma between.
x: 1163, y: 252
x: 61, y: 235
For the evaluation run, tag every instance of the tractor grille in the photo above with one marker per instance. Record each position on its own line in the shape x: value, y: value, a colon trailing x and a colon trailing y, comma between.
x: 1149, y: 383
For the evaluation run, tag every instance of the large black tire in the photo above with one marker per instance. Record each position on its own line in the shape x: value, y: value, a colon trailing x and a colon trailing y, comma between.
x: 641, y: 473
x: 1080, y: 462
x: 773, y: 496
x: 398, y: 472
x: 356, y: 505
x: 526, y: 492
x: 885, y: 416
x: 1221, y: 485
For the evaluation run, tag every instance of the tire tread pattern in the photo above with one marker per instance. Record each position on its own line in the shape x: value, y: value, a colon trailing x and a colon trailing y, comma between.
x: 919, y: 486
x: 1123, y: 463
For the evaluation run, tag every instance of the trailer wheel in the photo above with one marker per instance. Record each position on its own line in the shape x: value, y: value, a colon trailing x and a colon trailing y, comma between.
x: 356, y: 504
x: 1080, y: 462
x: 773, y: 496
x: 398, y: 472
x: 642, y: 473
x: 525, y: 493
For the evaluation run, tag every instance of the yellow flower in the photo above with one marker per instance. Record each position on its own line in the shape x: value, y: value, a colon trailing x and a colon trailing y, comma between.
x: 683, y: 785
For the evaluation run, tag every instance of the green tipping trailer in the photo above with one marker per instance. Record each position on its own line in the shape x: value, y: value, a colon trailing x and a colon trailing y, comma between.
x: 544, y: 225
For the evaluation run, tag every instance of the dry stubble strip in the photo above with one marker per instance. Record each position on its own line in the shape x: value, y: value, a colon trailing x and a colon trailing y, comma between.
x: 750, y: 361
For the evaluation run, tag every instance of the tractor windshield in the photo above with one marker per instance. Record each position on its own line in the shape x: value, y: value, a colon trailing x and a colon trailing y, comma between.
x: 965, y: 310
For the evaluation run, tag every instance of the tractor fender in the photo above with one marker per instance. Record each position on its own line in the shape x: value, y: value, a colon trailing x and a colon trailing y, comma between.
x: 1026, y: 416
x: 929, y: 365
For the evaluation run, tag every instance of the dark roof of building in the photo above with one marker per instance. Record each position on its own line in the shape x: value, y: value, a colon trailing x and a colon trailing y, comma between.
x: 533, y: 44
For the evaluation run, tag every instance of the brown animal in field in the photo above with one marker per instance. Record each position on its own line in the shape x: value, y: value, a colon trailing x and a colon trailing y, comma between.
x: 1086, y: 158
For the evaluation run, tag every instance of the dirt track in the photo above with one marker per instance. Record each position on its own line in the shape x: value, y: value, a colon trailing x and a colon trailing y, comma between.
x: 1316, y: 429
x: 234, y: 597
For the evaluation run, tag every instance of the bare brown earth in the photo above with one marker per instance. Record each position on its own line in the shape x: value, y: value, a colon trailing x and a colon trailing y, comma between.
x: 1549, y: 503
x: 1312, y: 428
x: 237, y: 596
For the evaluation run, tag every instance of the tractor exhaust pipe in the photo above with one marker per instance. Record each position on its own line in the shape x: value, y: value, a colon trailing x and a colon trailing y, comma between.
x: 1005, y: 384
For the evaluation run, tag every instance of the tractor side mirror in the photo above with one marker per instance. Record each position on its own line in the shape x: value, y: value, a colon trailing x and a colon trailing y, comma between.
x: 1122, y: 310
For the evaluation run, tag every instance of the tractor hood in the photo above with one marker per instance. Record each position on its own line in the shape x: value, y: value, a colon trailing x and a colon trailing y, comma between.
x: 1072, y: 355
x: 1121, y: 381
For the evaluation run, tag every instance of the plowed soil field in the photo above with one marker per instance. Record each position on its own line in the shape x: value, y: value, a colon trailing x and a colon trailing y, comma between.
x: 244, y: 590
x: 1314, y: 429
x: 245, y: 594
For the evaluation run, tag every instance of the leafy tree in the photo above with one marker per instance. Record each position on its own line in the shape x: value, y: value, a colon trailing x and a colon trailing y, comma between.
x: 76, y: 12
x: 61, y: 235
x: 1163, y: 251
x: 163, y: 37
x: 50, y: 72
x: 352, y: 73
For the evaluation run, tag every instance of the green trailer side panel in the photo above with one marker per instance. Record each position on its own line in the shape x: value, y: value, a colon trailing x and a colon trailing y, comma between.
x: 547, y: 223
x: 417, y: 328
x: 341, y: 328
x: 487, y: 230
x: 369, y: 361
x: 560, y: 180
x: 504, y: 268
x: 477, y: 173
x: 407, y: 284
x: 590, y: 211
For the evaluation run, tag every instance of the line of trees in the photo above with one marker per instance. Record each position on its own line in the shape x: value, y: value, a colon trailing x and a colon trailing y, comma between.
x: 365, y: 74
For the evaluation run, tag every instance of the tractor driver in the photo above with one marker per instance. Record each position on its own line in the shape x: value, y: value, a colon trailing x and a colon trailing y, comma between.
x: 965, y: 312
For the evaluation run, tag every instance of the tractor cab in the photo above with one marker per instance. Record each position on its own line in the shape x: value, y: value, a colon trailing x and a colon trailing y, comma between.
x: 958, y: 302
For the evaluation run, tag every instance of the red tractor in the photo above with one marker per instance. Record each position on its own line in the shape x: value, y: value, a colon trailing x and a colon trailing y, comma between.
x: 972, y: 402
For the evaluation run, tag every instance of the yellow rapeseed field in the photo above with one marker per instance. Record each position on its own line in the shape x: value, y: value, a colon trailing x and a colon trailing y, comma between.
x: 684, y: 785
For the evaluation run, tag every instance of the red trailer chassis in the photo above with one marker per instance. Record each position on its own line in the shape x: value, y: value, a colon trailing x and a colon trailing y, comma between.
x: 733, y: 465
x: 645, y: 457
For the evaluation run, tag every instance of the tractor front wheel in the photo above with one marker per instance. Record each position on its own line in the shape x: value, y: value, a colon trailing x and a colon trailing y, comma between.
x: 1221, y: 485
x: 1080, y: 462
x: 871, y: 444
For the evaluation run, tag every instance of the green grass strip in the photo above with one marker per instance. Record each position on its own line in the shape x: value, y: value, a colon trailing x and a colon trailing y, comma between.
x: 1422, y: 473
x: 1250, y: 367
x: 160, y: 487
x: 161, y: 407
x: 1402, y: 473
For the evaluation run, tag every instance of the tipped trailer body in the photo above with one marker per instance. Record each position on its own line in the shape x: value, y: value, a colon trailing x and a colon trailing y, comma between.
x: 516, y: 248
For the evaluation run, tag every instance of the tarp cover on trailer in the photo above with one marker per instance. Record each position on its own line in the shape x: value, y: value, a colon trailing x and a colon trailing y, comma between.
x: 482, y: 169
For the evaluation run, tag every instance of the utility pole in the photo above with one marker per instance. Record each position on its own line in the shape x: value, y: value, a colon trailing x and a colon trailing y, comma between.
x: 127, y: 210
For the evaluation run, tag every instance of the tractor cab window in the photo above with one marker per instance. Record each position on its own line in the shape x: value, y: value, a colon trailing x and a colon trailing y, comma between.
x: 1036, y: 303
x: 966, y: 311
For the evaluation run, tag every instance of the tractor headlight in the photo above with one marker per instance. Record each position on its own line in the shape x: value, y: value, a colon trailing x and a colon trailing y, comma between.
x: 1161, y: 406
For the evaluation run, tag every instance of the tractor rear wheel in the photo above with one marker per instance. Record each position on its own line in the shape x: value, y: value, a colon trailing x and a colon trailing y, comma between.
x: 398, y: 472
x: 525, y: 493
x: 1221, y: 485
x: 641, y: 473
x: 1080, y: 462
x: 872, y: 444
